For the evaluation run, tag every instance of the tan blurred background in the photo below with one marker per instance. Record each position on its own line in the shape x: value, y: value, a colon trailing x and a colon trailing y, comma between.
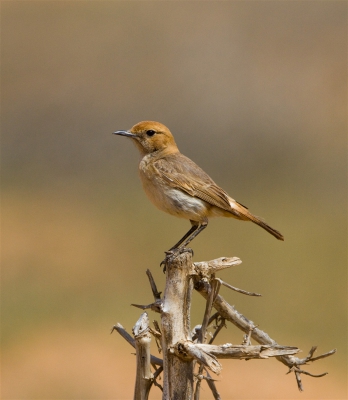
x: 254, y: 92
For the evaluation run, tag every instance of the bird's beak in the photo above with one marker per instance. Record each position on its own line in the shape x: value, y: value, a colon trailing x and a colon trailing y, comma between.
x: 124, y: 133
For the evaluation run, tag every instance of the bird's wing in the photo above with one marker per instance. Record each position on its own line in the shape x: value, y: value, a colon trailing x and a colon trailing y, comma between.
x: 182, y: 173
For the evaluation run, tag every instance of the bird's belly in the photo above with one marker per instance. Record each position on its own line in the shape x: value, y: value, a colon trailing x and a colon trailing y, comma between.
x: 176, y: 202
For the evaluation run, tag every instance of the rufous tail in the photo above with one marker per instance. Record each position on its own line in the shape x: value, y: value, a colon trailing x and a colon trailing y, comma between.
x: 245, y: 214
x: 269, y: 229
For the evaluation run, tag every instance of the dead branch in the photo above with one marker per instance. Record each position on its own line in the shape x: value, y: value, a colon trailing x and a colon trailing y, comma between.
x: 241, y: 322
x: 208, y: 354
x: 181, y: 349
x: 210, y: 300
x: 241, y: 352
x: 144, y: 377
x: 236, y: 289
x: 175, y: 320
x: 211, y: 383
x: 155, y: 292
x: 120, y: 329
x: 187, y: 350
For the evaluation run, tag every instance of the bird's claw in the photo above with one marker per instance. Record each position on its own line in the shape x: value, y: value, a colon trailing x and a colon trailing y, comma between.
x: 172, y: 254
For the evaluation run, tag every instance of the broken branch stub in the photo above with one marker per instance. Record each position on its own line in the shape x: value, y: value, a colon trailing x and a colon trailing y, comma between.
x: 144, y: 377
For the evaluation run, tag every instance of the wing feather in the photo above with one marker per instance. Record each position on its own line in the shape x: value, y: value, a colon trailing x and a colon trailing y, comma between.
x: 185, y: 175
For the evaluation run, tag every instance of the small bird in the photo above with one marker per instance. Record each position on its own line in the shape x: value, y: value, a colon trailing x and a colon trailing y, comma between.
x: 178, y: 186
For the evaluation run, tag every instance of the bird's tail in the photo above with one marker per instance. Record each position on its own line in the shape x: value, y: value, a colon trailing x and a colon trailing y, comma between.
x: 245, y: 214
x: 268, y: 228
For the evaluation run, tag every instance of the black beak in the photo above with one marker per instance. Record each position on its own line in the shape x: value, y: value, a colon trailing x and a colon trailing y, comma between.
x: 124, y: 133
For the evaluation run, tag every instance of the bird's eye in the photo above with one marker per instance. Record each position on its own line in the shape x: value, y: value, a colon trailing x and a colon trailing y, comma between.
x: 150, y: 132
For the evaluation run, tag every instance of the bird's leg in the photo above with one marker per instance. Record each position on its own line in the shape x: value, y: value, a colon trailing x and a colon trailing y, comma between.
x: 176, y: 250
x: 179, y: 247
x: 193, y: 228
x: 192, y: 233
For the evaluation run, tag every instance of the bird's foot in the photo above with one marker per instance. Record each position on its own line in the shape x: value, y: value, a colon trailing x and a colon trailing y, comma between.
x: 172, y: 254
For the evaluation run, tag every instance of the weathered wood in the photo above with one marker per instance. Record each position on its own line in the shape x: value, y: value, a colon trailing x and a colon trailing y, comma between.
x: 144, y: 377
x: 207, y: 354
x: 241, y: 352
x: 120, y: 329
x: 175, y: 321
x: 180, y: 350
x: 187, y: 349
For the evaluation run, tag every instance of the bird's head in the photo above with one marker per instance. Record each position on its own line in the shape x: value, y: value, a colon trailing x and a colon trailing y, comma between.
x: 150, y: 137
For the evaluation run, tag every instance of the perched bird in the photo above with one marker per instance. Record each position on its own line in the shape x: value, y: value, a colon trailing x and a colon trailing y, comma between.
x: 178, y: 186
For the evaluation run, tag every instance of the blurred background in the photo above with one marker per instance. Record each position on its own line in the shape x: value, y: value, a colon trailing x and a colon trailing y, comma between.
x: 256, y: 94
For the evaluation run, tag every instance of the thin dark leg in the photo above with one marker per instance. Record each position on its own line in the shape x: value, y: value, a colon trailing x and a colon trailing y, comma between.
x: 195, y: 233
x: 188, y: 234
x: 179, y: 247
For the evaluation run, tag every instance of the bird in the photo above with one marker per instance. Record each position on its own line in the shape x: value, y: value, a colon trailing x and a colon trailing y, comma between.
x: 178, y: 186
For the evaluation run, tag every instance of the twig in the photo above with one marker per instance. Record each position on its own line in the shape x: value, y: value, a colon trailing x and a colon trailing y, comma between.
x: 156, y: 306
x: 246, y: 340
x: 236, y: 289
x: 212, y: 386
x: 212, y: 295
x: 244, y: 352
x: 158, y: 336
x: 220, y: 325
x: 294, y: 362
x: 155, y: 292
x: 155, y: 376
x: 240, y: 321
x: 199, y: 377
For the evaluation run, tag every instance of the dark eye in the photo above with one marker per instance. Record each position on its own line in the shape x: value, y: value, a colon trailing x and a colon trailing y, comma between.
x: 150, y: 132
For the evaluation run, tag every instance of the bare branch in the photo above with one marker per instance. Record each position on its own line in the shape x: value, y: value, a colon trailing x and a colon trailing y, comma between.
x: 220, y: 325
x: 158, y: 339
x: 236, y: 289
x: 199, y: 378
x: 155, y: 292
x: 144, y: 377
x: 240, y: 321
x: 328, y: 354
x: 180, y: 352
x: 120, y: 329
x: 231, y: 314
x: 212, y: 295
x: 294, y: 362
x: 211, y: 384
x: 155, y: 376
x: 156, y: 306
x: 187, y: 349
x: 245, y: 352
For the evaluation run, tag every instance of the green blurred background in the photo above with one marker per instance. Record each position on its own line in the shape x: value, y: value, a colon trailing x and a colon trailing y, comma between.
x: 256, y: 94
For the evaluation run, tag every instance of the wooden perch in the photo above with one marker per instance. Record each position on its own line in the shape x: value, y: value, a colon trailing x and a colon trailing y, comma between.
x: 175, y: 320
x: 183, y: 349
